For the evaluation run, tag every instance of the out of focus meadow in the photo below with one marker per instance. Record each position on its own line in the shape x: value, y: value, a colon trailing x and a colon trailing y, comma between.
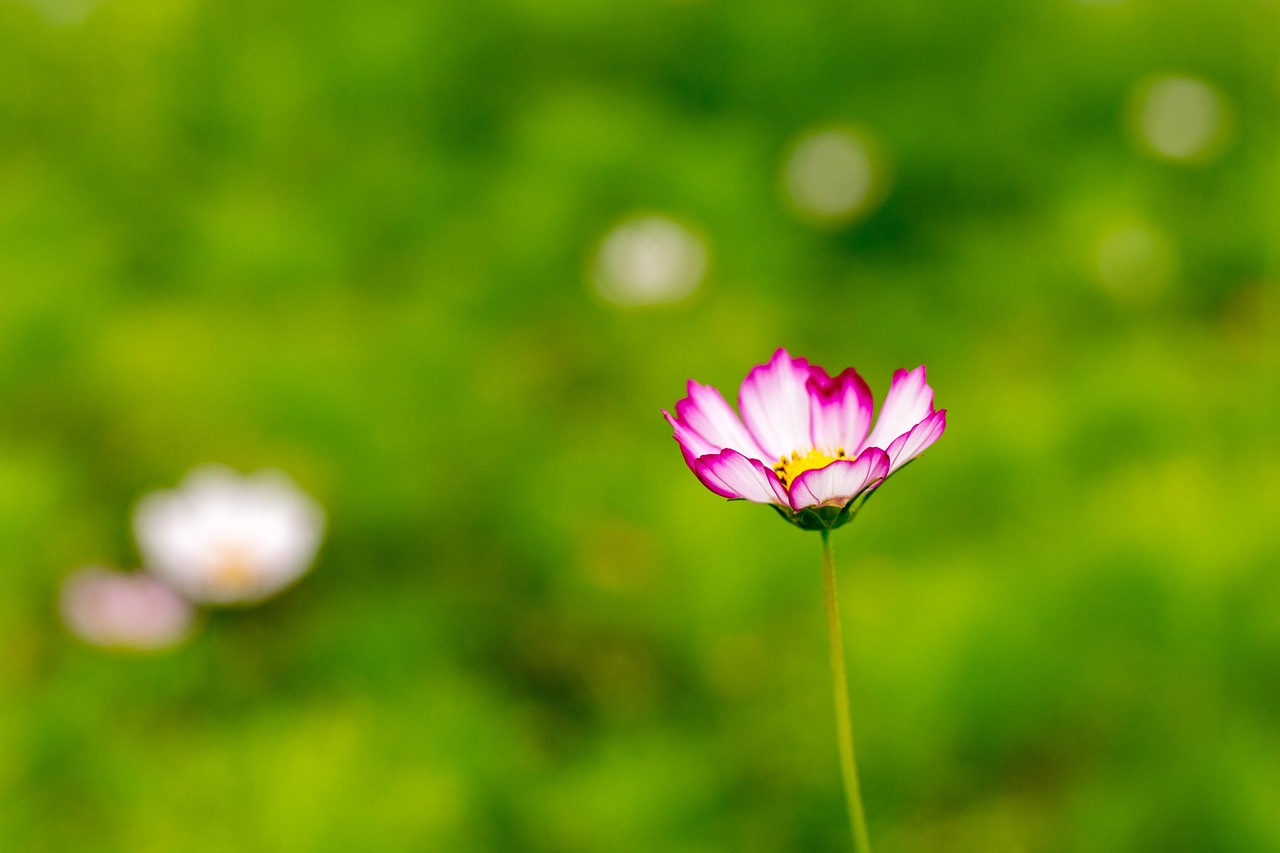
x: 443, y: 263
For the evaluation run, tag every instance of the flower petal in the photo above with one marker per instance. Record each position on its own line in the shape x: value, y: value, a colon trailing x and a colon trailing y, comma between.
x: 839, y: 482
x: 909, y: 401
x: 692, y: 444
x: 914, y: 442
x: 706, y: 412
x: 732, y: 475
x: 840, y: 409
x: 775, y: 405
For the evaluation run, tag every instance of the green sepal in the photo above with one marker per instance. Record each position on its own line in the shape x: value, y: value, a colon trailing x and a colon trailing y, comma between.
x: 824, y: 517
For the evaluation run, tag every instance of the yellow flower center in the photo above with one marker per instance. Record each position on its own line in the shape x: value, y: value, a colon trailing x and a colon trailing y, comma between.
x: 790, y: 467
x: 234, y: 573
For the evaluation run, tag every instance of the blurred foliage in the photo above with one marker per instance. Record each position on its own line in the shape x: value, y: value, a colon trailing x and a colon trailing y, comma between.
x: 350, y: 241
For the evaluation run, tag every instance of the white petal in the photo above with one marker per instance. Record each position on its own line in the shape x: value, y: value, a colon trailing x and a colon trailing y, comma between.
x: 775, y: 405
x: 705, y: 411
x: 909, y: 401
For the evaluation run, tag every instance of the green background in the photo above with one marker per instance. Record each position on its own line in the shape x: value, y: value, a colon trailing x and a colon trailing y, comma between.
x: 350, y: 240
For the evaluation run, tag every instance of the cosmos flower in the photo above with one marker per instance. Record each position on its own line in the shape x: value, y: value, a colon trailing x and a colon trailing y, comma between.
x: 222, y: 537
x: 805, y: 442
x: 124, y: 610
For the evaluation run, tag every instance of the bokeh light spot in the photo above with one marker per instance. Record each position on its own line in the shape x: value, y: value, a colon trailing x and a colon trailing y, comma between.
x: 1181, y: 118
x: 64, y: 12
x: 649, y: 260
x: 1135, y: 262
x: 124, y: 610
x: 223, y: 538
x: 833, y: 175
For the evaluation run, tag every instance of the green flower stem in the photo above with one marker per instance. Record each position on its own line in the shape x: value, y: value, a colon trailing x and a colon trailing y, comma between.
x: 840, y: 689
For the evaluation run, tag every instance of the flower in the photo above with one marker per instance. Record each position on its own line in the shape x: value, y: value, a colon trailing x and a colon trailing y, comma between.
x: 222, y: 537
x: 805, y: 442
x: 124, y: 610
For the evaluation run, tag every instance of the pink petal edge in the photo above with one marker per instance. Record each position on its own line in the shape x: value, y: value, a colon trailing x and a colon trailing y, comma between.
x: 692, y: 445
x: 732, y: 475
x: 840, y: 409
x: 917, y: 440
x: 705, y: 411
x: 908, y: 402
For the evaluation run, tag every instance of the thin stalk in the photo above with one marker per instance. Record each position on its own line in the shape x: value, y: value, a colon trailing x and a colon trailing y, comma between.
x: 840, y: 690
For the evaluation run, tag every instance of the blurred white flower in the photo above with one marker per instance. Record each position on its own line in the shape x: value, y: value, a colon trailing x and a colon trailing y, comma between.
x: 1180, y: 118
x: 124, y: 610
x: 649, y: 260
x: 222, y: 537
x: 833, y: 175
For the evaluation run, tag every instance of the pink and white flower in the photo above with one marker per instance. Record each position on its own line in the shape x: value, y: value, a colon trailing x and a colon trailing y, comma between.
x: 805, y: 442
x: 222, y: 537
x: 124, y: 610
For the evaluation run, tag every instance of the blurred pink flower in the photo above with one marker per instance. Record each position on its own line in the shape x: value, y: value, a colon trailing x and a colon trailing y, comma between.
x: 805, y: 443
x: 124, y: 610
x: 222, y: 537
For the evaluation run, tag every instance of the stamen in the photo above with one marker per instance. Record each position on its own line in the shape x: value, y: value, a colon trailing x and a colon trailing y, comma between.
x: 788, y: 469
x: 234, y: 572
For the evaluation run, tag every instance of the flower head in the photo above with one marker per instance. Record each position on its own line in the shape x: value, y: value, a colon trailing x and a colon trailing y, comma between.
x: 124, y: 610
x: 222, y: 537
x: 805, y: 441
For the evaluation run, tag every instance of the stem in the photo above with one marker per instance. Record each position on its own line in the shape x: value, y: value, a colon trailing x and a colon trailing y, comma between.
x: 840, y: 690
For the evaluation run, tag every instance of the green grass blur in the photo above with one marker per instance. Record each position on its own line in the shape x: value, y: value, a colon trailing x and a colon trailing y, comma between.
x: 350, y: 240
